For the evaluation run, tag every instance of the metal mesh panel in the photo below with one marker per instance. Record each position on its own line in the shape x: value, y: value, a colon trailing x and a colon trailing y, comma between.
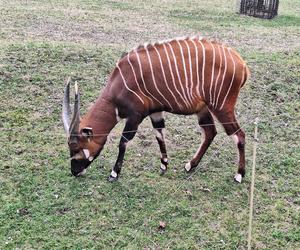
x: 266, y: 9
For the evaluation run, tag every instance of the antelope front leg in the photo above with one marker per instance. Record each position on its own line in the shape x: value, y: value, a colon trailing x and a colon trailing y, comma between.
x: 158, y: 123
x: 128, y: 133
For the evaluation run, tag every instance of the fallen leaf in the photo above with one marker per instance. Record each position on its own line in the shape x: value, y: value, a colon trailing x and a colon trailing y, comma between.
x: 162, y: 225
x: 189, y: 192
x: 205, y: 189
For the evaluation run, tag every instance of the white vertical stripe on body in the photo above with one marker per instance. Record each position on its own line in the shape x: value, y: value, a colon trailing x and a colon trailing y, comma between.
x: 124, y: 81
x: 224, y: 74
x: 218, y: 76
x: 135, y: 78
x: 212, y: 72
x: 165, y: 79
x: 142, y: 77
x: 185, y: 72
x: 197, y: 69
x: 232, y: 79
x: 191, y: 68
x: 203, y: 68
x: 172, y: 75
x: 244, y: 73
x: 154, y: 81
x: 178, y: 74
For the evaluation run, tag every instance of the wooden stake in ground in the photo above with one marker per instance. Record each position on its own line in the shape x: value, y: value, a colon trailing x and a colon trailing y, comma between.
x: 252, y: 183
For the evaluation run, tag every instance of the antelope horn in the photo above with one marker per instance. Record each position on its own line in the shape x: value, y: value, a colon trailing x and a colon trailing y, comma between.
x: 66, y: 109
x: 74, y: 126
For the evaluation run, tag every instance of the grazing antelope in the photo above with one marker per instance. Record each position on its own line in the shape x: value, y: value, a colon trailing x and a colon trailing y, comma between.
x: 182, y: 76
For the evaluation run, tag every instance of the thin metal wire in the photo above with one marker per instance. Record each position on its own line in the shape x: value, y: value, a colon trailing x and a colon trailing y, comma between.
x: 130, y: 131
x: 197, y: 169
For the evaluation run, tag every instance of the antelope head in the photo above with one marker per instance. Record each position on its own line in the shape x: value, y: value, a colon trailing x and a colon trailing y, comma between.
x: 83, y: 149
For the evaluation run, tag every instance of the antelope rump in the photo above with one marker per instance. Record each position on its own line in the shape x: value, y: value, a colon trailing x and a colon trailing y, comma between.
x: 182, y: 76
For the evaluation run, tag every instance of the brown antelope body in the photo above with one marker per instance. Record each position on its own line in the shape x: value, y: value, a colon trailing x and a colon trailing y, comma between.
x: 182, y: 76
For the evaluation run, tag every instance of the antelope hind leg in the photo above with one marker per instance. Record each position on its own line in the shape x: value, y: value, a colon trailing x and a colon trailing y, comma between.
x: 208, y: 132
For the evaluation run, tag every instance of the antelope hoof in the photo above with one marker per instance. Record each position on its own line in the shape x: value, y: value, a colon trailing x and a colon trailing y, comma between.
x: 238, y: 178
x: 163, y: 169
x: 113, y: 176
x: 112, y: 179
x: 188, y: 167
x: 82, y: 173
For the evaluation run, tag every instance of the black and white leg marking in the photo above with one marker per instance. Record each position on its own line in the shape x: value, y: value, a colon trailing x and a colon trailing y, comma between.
x: 158, y: 123
x: 128, y: 133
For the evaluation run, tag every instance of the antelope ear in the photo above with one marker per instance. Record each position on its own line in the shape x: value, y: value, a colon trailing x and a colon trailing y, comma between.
x: 87, y: 132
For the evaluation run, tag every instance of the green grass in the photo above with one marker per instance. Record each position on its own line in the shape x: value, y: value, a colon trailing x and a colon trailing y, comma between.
x: 43, y: 206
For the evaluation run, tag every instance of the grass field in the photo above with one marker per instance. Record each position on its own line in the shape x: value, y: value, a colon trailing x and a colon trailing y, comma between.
x: 43, y: 206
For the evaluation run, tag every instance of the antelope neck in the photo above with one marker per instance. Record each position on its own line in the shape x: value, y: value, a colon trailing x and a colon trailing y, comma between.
x: 101, y: 118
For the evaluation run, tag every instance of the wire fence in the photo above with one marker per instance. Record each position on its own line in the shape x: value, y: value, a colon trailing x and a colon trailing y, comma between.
x: 251, y: 202
x: 14, y: 133
x: 182, y: 183
x: 252, y: 137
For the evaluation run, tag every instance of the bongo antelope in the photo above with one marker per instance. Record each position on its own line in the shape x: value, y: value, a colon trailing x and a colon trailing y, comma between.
x: 181, y: 76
